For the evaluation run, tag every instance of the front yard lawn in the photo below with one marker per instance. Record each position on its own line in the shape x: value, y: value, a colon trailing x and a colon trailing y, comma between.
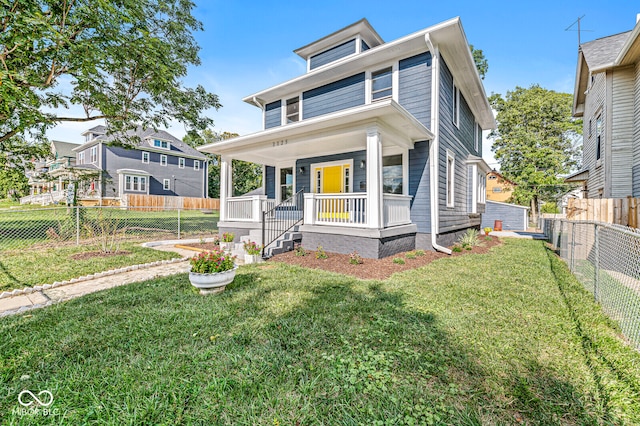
x: 507, y: 337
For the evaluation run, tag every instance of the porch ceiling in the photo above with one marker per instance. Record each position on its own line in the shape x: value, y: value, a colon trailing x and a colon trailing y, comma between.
x: 342, y: 131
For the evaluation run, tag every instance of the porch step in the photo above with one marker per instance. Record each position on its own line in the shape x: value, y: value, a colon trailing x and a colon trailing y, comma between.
x: 284, y: 243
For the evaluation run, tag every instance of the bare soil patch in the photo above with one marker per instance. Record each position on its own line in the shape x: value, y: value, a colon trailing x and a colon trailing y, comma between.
x: 94, y: 254
x: 378, y: 269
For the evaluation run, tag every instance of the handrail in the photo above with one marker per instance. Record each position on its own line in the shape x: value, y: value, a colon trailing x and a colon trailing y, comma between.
x: 281, y: 218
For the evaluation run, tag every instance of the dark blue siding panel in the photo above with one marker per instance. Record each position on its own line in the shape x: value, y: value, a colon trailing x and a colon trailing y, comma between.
x: 333, y: 54
x: 272, y: 116
x: 270, y: 182
x: 513, y: 217
x: 363, y: 46
x: 336, y: 96
x: 419, y: 186
x: 415, y: 86
x: 303, y: 180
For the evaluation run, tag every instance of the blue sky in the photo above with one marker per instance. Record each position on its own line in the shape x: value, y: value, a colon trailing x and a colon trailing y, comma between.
x: 247, y: 46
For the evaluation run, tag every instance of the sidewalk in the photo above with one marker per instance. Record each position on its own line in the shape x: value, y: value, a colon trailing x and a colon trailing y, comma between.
x: 48, y: 294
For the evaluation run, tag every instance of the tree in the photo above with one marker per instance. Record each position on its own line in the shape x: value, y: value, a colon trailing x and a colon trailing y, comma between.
x: 246, y: 176
x: 116, y: 60
x: 482, y: 64
x: 535, y: 141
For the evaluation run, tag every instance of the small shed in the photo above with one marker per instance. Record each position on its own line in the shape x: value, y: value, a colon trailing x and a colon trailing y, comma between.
x: 513, y: 216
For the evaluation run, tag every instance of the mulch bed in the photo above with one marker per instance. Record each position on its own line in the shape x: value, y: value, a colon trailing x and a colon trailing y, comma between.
x: 378, y: 269
x: 94, y: 254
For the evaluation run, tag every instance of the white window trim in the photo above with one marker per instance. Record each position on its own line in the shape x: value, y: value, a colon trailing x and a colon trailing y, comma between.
x: 196, y: 164
x: 93, y: 154
x: 450, y: 179
x: 153, y: 143
x: 81, y: 157
x: 455, y: 106
x: 166, y: 184
x: 140, y: 178
x: 475, y: 136
x: 278, y: 183
x: 181, y: 162
x: 349, y: 161
x: 166, y: 160
x: 147, y: 155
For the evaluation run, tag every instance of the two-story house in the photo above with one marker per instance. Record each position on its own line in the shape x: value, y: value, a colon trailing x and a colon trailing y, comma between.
x: 607, y: 97
x: 376, y: 148
x: 499, y: 188
x: 160, y: 164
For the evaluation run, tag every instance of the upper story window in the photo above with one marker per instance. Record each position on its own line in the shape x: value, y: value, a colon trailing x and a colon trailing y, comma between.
x: 161, y: 144
x: 181, y: 163
x: 196, y: 164
x: 81, y: 157
x: 93, y: 154
x: 598, y: 137
x: 381, y: 84
x: 455, y: 111
x: 293, y: 110
x: 145, y: 157
x: 163, y: 160
x: 88, y: 137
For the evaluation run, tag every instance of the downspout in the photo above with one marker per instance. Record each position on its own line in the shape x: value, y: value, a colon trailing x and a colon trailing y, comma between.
x: 434, y: 148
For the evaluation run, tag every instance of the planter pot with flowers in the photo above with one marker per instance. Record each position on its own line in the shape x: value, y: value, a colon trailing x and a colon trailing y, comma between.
x: 226, y: 243
x: 252, y: 252
x: 211, y: 271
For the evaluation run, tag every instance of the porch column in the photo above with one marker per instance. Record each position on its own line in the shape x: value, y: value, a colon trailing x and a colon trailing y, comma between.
x: 374, y: 178
x: 226, y: 172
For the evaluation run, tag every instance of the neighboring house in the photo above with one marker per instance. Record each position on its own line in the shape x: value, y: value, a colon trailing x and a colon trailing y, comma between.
x: 48, y: 179
x: 499, y: 188
x: 607, y: 97
x: 381, y: 142
x: 106, y: 171
x: 511, y: 217
x: 564, y: 200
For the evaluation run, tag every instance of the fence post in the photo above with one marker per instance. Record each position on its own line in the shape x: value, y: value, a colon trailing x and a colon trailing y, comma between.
x: 596, y: 265
x: 178, y: 223
x: 573, y: 247
x: 77, y: 225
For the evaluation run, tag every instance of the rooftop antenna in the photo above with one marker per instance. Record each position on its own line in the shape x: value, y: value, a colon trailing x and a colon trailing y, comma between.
x: 577, y: 21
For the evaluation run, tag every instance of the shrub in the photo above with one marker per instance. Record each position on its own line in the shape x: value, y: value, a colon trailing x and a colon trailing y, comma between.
x: 355, y: 258
x: 320, y: 253
x: 420, y: 253
x: 456, y: 249
x: 300, y: 251
x: 469, y: 238
x: 410, y: 255
x: 398, y: 260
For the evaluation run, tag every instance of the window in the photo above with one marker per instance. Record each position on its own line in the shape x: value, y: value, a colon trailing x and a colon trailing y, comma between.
x: 392, y: 174
x: 163, y: 160
x: 81, y: 157
x: 166, y: 184
x: 196, y: 164
x: 286, y: 183
x: 482, y: 188
x: 497, y: 189
x: 93, y: 154
x: 451, y: 173
x: 293, y: 110
x: 493, y: 177
x: 135, y: 183
x: 381, y: 84
x: 145, y: 157
x: 598, y: 137
x: 181, y: 163
x: 455, y: 112
x: 161, y: 144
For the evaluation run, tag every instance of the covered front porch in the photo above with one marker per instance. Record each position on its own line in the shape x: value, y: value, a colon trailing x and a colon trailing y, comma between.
x: 342, y: 174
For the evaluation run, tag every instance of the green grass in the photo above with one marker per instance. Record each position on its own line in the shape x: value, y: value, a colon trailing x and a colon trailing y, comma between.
x: 468, y: 340
x: 27, y: 268
x: 5, y: 203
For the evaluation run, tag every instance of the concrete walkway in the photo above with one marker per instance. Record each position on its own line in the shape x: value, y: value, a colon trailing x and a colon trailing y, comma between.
x: 48, y: 294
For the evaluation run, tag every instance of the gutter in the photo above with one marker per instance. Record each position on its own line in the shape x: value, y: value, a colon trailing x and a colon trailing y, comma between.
x: 434, y: 148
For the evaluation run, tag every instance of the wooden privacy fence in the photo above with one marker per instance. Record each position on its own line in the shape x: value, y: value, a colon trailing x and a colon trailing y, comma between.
x: 618, y: 211
x: 159, y: 202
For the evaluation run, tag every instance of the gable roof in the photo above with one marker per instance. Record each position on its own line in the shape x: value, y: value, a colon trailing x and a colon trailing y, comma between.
x: 177, y: 146
x: 603, y: 51
x: 62, y: 149
x: 498, y: 174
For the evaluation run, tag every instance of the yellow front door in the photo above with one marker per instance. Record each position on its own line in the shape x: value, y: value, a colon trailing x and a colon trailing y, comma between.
x: 332, y: 179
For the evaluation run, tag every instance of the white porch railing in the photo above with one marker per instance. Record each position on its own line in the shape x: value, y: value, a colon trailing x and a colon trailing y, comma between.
x: 44, y: 199
x: 336, y: 209
x: 248, y: 208
x: 397, y: 209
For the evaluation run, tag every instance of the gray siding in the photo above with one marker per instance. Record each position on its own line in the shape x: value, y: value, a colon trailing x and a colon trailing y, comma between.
x: 636, y: 133
x: 185, y: 182
x: 419, y: 186
x: 460, y: 141
x: 336, y: 96
x: 273, y: 114
x: 594, y: 105
x: 270, y: 182
x: 303, y: 181
x: 513, y: 217
x: 622, y: 133
x: 333, y: 54
x: 414, y: 88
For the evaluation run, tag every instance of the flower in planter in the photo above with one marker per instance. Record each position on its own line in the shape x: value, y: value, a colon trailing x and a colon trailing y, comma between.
x: 211, y: 262
x: 228, y: 237
x: 252, y: 248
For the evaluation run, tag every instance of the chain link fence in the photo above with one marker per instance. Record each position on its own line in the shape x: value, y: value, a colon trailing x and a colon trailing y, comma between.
x: 606, y: 260
x: 102, y: 226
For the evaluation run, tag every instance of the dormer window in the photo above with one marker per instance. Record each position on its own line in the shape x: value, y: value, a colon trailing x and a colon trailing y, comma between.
x: 381, y: 84
x: 161, y: 144
x: 293, y: 110
x: 88, y: 137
